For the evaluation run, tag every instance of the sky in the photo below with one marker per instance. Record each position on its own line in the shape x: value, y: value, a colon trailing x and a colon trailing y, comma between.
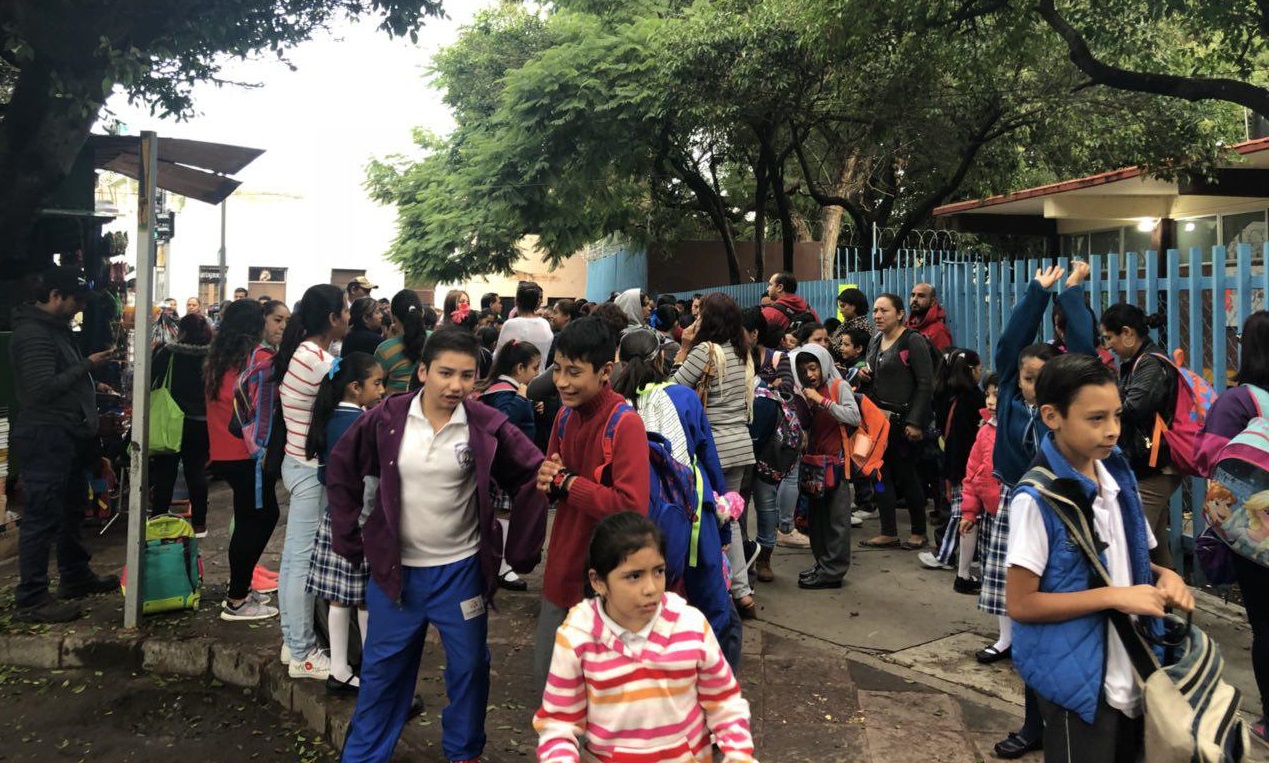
x: 356, y: 94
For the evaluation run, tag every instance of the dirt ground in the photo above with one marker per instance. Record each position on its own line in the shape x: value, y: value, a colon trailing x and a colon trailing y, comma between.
x: 83, y: 715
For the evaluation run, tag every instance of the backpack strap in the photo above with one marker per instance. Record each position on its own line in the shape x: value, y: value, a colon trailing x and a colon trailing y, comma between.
x: 1260, y: 399
x: 610, y: 430
x: 561, y: 421
x: 1078, y: 529
x: 500, y: 386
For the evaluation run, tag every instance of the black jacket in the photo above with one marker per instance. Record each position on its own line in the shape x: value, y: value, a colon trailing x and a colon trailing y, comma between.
x: 54, y: 384
x: 187, y: 376
x: 957, y: 419
x: 903, y: 378
x: 361, y: 340
x: 1147, y: 386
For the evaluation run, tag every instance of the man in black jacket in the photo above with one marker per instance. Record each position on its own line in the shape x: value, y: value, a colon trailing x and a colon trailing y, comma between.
x: 53, y: 439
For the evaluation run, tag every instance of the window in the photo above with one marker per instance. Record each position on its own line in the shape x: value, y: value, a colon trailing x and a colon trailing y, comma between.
x: 267, y: 282
x: 1199, y: 231
x: 1246, y: 228
x: 1105, y: 242
x: 209, y: 285
x: 341, y: 276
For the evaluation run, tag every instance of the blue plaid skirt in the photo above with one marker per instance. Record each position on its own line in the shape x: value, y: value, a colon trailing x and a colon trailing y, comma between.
x: 991, y: 598
x: 330, y: 576
x: 951, y: 535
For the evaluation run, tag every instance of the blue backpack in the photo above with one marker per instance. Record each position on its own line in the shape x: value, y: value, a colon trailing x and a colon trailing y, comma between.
x: 674, y: 499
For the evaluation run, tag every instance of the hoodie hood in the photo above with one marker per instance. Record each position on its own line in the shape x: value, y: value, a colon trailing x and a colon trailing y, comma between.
x: 826, y: 364
x: 936, y: 314
x: 631, y: 303
x: 794, y: 301
x: 181, y: 348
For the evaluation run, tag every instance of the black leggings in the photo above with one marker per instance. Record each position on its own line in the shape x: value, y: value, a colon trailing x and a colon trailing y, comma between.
x: 899, y: 476
x: 193, y: 454
x: 252, y: 527
x: 1253, y: 581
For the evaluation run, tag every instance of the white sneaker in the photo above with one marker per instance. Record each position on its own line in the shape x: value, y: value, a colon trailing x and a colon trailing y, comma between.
x: 792, y: 539
x: 931, y: 561
x: 856, y: 521
x: 248, y: 610
x: 865, y: 515
x: 286, y: 654
x: 315, y: 665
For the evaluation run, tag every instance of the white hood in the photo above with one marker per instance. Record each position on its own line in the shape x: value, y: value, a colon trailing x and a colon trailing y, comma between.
x: 826, y: 364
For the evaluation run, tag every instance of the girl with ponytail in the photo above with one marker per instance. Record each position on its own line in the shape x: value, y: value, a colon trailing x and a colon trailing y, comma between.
x: 399, y: 355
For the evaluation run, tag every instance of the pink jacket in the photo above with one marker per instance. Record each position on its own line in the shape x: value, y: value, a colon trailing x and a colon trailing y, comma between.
x: 980, y: 489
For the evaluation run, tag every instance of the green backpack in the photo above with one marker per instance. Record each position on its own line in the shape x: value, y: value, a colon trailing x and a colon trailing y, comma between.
x: 167, y: 420
x: 172, y: 571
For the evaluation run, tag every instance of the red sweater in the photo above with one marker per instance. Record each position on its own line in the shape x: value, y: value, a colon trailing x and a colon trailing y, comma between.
x: 625, y: 489
x: 224, y: 446
x: 980, y: 489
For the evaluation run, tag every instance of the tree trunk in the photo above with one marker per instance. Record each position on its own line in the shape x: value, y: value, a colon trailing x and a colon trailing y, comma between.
x: 760, y: 219
x: 830, y: 229
x: 40, y: 137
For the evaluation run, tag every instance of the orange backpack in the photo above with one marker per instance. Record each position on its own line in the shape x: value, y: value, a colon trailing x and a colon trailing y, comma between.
x: 865, y: 444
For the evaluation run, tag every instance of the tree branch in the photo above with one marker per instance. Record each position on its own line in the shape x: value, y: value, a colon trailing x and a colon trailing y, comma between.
x: 1187, y: 88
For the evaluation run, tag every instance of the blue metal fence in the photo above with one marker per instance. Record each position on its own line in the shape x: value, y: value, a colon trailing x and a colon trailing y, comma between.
x: 618, y: 271
x: 1207, y: 297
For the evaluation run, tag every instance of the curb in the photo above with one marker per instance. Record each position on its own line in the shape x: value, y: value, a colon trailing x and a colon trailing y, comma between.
x: 191, y: 658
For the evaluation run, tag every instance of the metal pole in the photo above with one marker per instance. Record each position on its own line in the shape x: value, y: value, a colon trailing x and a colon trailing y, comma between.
x: 139, y: 477
x: 223, y: 271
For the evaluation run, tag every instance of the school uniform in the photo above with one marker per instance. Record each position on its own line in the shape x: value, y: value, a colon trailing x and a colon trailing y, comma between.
x: 331, y: 577
x: 1079, y: 668
x: 433, y: 549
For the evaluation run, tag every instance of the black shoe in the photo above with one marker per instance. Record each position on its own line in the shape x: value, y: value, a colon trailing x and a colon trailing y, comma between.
x: 93, y: 584
x: 966, y: 585
x: 817, y: 583
x: 416, y: 708
x: 49, y: 612
x: 518, y: 584
x: 341, y: 688
x: 1015, y: 746
x: 990, y: 655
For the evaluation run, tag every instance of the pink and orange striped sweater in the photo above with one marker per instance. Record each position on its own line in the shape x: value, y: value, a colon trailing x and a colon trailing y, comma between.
x: 666, y: 704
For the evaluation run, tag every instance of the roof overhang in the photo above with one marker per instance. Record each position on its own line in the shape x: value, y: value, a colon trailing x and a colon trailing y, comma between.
x: 192, y: 168
x: 1115, y: 197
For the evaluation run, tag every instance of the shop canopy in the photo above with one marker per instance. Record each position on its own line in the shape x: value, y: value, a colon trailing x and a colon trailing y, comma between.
x: 191, y: 168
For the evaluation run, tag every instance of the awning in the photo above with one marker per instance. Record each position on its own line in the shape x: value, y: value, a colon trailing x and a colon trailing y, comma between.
x: 191, y: 168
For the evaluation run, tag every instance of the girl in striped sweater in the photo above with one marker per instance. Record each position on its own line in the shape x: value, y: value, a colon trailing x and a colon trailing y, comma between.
x: 637, y: 671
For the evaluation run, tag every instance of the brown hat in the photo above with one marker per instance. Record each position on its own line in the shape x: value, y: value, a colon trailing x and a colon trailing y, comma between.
x: 363, y: 282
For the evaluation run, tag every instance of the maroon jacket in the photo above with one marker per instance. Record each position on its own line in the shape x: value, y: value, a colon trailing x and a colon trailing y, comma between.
x: 933, y: 327
x: 791, y: 304
x: 370, y: 448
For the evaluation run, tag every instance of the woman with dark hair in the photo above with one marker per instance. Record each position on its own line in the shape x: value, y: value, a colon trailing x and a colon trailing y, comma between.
x: 399, y: 355
x: 526, y: 326
x: 853, y: 306
x: 1147, y: 387
x: 276, y: 316
x: 456, y: 307
x: 903, y: 374
x: 1228, y: 417
x: 365, y: 328
x: 715, y: 360
x: 179, y: 366
x: 301, y: 363
x: 240, y: 343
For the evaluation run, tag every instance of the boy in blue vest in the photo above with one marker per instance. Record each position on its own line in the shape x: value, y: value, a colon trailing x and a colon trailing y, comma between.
x: 1064, y: 646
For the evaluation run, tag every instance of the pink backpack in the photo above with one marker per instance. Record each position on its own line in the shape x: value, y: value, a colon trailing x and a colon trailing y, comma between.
x: 1194, y: 398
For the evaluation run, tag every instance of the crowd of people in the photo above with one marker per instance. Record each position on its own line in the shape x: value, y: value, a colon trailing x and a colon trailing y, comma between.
x: 421, y: 449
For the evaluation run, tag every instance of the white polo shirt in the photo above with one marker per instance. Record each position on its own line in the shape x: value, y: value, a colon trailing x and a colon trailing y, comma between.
x: 439, y: 522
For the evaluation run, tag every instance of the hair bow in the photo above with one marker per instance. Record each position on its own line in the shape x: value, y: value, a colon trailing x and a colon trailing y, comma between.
x: 334, y: 368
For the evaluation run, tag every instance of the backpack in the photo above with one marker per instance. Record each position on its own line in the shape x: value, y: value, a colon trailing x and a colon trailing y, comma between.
x: 865, y: 444
x: 937, y: 359
x: 674, y: 498
x: 797, y: 319
x: 171, y: 569
x: 257, y: 418
x: 785, y: 447
x: 1194, y: 398
x: 1236, y: 506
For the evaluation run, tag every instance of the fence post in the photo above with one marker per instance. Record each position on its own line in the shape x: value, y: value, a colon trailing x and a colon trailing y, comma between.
x: 1197, y: 345
x: 1130, y: 280
x: 1095, y: 283
x: 979, y: 271
x: 1244, y: 285
x: 1112, y: 277
x: 1219, y: 356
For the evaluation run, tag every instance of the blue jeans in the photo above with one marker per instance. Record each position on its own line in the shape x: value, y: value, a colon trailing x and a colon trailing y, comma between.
x: 451, y: 597
x: 787, y: 499
x: 302, y: 521
x: 765, y: 502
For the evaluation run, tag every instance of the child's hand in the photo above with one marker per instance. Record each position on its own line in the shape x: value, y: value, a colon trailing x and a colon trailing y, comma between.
x: 548, y: 470
x: 1140, y: 600
x: 1079, y: 273
x: 966, y: 525
x: 812, y: 396
x: 1048, y: 276
x: 1175, y: 592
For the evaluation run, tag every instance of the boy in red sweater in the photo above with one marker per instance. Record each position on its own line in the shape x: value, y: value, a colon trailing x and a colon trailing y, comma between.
x: 576, y: 476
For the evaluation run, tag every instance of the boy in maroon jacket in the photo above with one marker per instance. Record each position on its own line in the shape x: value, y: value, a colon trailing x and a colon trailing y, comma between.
x: 433, y: 543
x: 575, y: 475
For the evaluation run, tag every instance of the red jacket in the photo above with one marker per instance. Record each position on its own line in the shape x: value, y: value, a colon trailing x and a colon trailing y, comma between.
x: 598, y: 491
x: 933, y: 327
x: 776, y: 317
x: 980, y: 489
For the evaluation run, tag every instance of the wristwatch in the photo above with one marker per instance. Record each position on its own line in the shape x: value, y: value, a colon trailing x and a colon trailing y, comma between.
x: 558, y: 489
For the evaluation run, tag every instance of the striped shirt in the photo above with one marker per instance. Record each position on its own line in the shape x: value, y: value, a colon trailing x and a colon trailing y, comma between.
x: 665, y: 699
x: 397, y: 368
x: 298, y: 394
x: 729, y: 399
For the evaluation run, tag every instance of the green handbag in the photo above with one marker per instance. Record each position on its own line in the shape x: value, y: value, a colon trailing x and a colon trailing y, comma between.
x: 167, y: 420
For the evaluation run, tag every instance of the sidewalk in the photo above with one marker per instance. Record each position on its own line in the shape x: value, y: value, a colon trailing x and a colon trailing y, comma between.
x: 881, y: 670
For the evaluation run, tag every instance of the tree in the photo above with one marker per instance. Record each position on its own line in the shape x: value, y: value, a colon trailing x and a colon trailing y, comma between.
x: 69, y: 55
x: 1190, y: 49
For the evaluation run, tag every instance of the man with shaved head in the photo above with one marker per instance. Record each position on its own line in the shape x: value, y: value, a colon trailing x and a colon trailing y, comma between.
x: 926, y: 317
